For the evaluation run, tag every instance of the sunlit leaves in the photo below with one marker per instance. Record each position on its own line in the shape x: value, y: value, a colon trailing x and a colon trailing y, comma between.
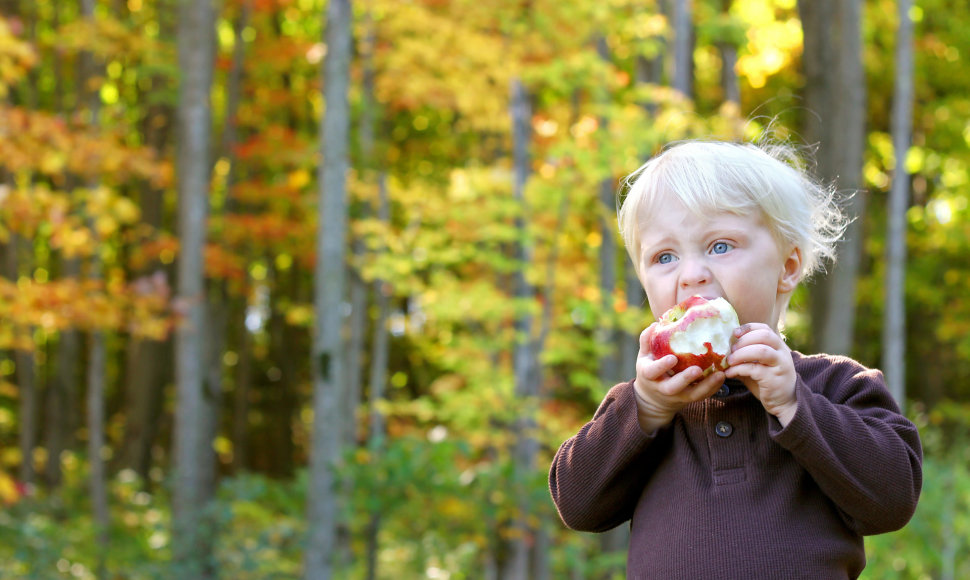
x: 773, y: 40
x: 16, y: 56
x: 140, y: 307
x: 49, y: 145
x: 103, y: 36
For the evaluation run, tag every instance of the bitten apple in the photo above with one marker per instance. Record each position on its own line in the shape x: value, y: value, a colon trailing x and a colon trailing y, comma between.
x: 698, y: 331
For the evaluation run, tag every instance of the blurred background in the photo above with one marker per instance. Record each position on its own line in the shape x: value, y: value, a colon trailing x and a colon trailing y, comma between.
x: 241, y: 337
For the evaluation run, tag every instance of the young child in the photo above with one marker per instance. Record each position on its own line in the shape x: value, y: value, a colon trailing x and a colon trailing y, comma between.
x: 776, y: 467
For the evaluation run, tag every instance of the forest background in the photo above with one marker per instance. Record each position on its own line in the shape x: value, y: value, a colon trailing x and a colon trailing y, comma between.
x: 245, y: 338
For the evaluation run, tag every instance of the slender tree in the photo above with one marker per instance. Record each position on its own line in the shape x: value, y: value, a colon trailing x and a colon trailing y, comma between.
x: 525, y: 357
x: 230, y: 140
x: 148, y: 365
x: 10, y: 266
x: 380, y: 351
x: 835, y: 96
x: 729, y: 60
x: 609, y: 371
x: 894, y: 323
x: 61, y: 396
x: 610, y: 361
x: 327, y: 356
x: 683, y: 47
x: 380, y: 342
x: 26, y: 375
x: 357, y: 287
x: 195, y: 405
x: 97, y: 350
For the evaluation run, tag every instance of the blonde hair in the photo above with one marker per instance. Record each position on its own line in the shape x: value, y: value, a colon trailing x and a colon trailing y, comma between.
x: 740, y: 178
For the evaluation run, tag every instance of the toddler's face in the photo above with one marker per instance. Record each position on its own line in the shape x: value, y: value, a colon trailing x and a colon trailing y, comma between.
x: 726, y: 255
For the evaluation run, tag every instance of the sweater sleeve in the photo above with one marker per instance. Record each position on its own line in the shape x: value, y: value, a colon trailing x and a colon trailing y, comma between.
x: 849, y: 434
x: 597, y: 475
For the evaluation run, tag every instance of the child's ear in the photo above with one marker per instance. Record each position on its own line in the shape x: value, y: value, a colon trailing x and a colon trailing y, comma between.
x: 791, y: 272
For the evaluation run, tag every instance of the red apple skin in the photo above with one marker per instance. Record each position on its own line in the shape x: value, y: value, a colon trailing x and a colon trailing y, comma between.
x: 707, y: 361
x: 677, y: 319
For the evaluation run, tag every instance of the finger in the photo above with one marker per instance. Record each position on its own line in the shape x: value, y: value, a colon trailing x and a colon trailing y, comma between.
x: 758, y: 373
x: 756, y: 334
x: 751, y: 371
x: 681, y: 382
x: 644, y: 346
x: 707, y: 386
x: 758, y: 353
x: 755, y: 331
x: 655, y: 369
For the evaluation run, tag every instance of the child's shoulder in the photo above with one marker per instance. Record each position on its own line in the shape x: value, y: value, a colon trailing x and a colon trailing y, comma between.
x: 827, y: 372
x: 825, y: 360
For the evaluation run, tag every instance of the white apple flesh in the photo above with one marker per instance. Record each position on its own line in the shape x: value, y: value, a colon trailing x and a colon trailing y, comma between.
x: 698, y: 331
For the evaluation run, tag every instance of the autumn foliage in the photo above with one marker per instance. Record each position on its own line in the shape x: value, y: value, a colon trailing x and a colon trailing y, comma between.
x: 89, y: 244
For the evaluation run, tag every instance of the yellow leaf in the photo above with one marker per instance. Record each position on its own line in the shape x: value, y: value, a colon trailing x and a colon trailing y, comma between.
x: 105, y: 225
x: 8, y: 490
x: 53, y: 162
x: 300, y: 315
x: 126, y: 211
x: 298, y: 179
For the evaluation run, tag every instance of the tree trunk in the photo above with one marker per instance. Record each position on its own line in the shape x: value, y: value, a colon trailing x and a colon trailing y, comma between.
x: 97, y: 355
x: 149, y: 362
x: 234, y: 308
x: 894, y: 323
x: 358, y: 289
x: 380, y: 351
x: 60, y: 394
x: 241, y: 394
x: 27, y: 412
x: 951, y: 507
x: 97, y: 376
x: 61, y: 418
x: 729, y: 60
x: 280, y: 398
x: 525, y: 357
x: 835, y: 98
x: 216, y: 329
x: 147, y: 370
x: 541, y: 565
x: 357, y: 326
x: 327, y: 357
x: 380, y: 345
x: 24, y: 377
x: 609, y: 371
x: 683, y: 75
x: 194, y: 486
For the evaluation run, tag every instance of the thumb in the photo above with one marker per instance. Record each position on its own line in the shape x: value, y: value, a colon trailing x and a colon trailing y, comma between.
x: 645, y: 340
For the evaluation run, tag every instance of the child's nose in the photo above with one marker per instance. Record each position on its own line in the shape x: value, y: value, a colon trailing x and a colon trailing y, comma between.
x: 694, y: 273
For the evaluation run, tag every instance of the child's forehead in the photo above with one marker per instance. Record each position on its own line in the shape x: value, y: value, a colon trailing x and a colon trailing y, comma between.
x: 679, y: 215
x: 701, y: 205
x: 672, y: 214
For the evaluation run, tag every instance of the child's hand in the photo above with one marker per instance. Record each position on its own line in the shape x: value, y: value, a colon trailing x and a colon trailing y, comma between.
x: 763, y: 362
x: 661, y: 394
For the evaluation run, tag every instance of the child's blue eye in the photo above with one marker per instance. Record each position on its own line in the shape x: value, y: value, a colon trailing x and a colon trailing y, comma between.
x: 665, y: 258
x: 720, y: 248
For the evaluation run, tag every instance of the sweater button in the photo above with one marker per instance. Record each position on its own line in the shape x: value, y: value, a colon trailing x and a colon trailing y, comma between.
x: 724, y: 391
x: 724, y: 429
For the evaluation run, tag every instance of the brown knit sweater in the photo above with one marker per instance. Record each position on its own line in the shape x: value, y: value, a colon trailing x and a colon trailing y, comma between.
x: 724, y: 491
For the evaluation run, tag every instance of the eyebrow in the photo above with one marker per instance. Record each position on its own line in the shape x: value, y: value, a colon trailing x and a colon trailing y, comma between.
x: 647, y: 250
x: 727, y: 232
